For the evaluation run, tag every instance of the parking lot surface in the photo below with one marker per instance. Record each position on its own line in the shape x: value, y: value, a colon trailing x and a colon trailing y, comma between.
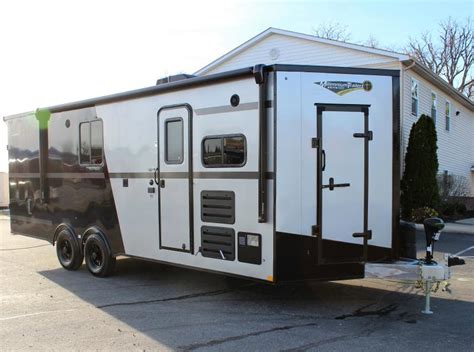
x: 153, y: 307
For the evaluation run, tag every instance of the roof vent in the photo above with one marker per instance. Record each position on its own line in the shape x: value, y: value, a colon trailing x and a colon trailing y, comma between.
x: 173, y: 78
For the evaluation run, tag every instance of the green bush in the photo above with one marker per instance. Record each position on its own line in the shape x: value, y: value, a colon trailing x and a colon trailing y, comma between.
x: 452, y: 209
x: 419, y: 187
x: 420, y: 214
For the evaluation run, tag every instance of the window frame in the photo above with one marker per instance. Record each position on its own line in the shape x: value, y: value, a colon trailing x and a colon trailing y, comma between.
x: 222, y: 137
x: 90, y: 143
x: 434, y: 104
x: 447, y: 116
x: 165, y: 156
x: 417, y: 99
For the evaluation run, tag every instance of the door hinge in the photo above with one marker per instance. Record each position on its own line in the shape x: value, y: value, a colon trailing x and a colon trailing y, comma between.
x: 315, y: 230
x: 315, y: 142
x: 369, y: 135
x: 367, y: 234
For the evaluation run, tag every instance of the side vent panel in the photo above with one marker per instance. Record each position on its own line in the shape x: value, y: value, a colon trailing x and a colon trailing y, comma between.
x: 218, y: 207
x: 218, y: 242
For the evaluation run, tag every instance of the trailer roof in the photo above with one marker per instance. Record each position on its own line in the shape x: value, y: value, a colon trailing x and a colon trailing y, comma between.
x: 202, y: 80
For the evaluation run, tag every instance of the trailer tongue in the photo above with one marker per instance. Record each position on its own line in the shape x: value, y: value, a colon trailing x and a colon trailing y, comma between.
x: 422, y: 273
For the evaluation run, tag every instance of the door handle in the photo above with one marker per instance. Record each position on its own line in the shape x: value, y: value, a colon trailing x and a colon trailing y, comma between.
x: 333, y: 185
x: 323, y: 161
x: 155, y: 175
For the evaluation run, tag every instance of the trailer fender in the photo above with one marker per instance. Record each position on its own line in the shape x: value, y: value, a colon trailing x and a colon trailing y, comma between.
x: 95, y: 230
x: 61, y: 227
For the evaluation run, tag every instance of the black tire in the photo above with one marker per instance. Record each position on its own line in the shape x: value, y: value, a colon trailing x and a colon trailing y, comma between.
x: 68, y: 250
x: 99, y: 260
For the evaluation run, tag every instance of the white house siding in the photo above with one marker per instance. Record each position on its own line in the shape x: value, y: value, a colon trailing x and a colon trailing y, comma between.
x: 301, y: 52
x: 456, y: 146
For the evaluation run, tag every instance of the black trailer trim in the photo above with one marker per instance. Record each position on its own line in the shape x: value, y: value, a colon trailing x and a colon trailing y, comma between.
x: 226, y: 108
x: 396, y: 167
x: 318, y: 228
x: 261, y: 78
x: 131, y: 175
x: 275, y: 87
x: 332, y: 69
x: 237, y: 175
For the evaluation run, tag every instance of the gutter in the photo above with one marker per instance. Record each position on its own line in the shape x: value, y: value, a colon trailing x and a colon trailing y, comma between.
x: 437, y: 81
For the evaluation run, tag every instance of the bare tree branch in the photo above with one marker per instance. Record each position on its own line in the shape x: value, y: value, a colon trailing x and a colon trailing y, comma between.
x: 451, y: 56
x: 333, y: 31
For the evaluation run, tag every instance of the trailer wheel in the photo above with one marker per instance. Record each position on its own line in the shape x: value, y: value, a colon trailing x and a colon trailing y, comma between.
x: 99, y: 260
x: 68, y: 251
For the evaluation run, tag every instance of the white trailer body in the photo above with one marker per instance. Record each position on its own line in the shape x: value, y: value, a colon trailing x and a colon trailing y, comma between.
x: 275, y: 173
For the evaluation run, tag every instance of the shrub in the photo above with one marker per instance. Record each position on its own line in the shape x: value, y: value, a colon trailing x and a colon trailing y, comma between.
x: 452, y: 186
x: 420, y: 214
x: 452, y: 209
x: 419, y: 187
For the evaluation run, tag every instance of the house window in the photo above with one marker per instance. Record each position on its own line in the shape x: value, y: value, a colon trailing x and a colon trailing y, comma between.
x: 174, y: 141
x: 91, y: 143
x: 414, y: 97
x: 447, y: 116
x: 224, y: 151
x: 434, y: 104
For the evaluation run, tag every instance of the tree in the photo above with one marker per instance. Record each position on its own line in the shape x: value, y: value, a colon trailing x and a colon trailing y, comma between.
x: 333, y: 31
x: 372, y: 42
x: 450, y: 55
x: 419, y: 184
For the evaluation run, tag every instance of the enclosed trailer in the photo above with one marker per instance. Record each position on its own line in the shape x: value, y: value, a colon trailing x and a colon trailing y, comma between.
x: 275, y: 173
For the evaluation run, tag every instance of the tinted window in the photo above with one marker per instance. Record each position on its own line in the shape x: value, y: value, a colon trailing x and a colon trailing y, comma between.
x: 224, y: 151
x: 96, y: 142
x: 91, y: 142
x: 212, y: 153
x: 234, y: 150
x: 174, y: 141
x: 85, y: 143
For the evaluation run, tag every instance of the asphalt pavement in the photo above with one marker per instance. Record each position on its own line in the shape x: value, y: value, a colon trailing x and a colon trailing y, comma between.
x: 151, y: 307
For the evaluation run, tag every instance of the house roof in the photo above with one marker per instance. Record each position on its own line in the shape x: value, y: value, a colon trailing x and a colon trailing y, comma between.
x: 268, y: 32
x: 403, y: 58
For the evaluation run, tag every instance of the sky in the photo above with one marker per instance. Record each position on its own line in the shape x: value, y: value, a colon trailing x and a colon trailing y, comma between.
x: 54, y: 52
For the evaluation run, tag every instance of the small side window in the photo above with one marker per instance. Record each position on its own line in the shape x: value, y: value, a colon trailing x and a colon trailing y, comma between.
x: 434, y: 106
x: 91, y: 143
x: 174, y: 141
x: 414, y: 97
x: 224, y: 151
x: 447, y: 116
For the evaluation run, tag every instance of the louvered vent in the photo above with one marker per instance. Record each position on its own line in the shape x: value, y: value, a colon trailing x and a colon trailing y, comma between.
x: 218, y: 242
x: 218, y: 206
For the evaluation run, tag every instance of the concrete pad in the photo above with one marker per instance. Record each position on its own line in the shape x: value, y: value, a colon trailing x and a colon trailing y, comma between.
x: 152, y: 307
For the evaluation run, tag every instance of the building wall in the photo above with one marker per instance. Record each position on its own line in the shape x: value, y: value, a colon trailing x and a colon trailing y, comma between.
x: 302, y: 52
x: 456, y: 146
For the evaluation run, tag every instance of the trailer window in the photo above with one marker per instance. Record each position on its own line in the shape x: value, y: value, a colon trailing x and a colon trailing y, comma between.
x: 174, y: 141
x: 91, y: 143
x: 224, y: 151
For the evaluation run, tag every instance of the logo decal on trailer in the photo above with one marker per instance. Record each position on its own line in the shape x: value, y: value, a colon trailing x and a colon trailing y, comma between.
x: 344, y: 87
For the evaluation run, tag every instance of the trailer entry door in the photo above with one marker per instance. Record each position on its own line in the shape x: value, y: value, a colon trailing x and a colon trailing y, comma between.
x: 174, y: 176
x: 342, y: 182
